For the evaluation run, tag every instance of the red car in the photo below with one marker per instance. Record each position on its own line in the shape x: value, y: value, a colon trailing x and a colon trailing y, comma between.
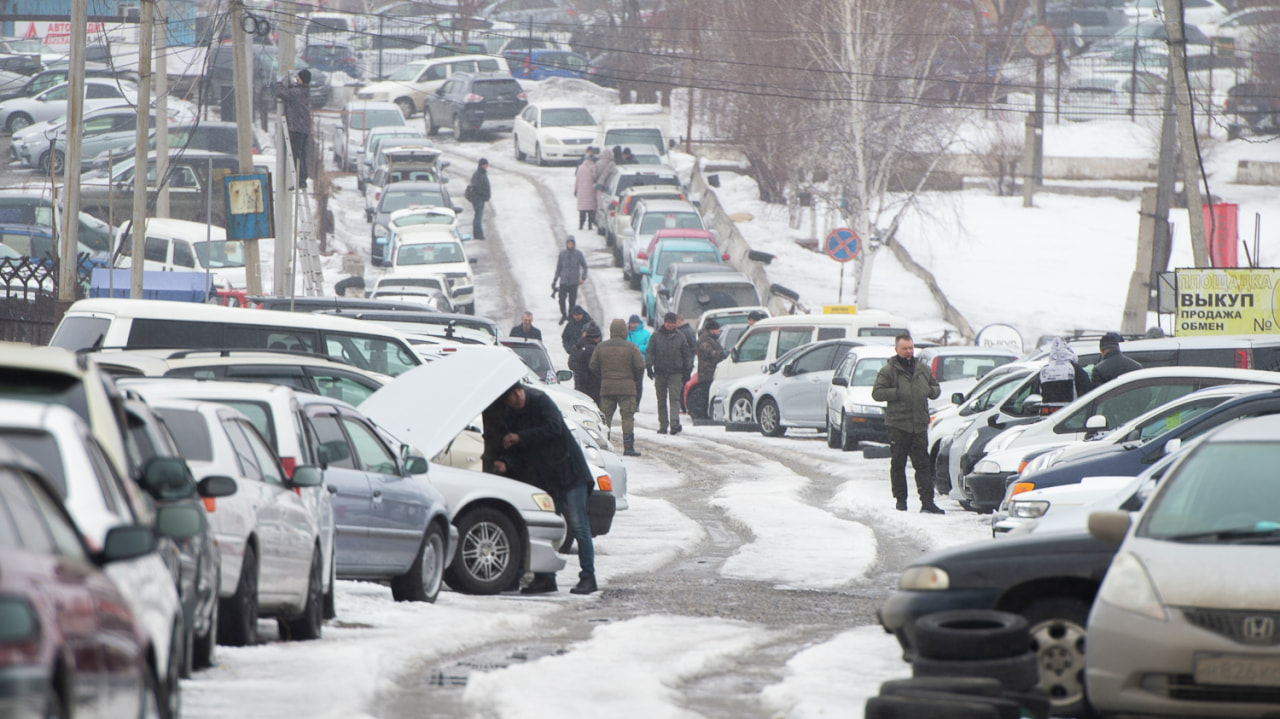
x: 67, y: 640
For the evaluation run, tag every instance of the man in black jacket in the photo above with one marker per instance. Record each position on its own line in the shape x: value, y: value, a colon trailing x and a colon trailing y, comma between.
x: 478, y: 196
x: 571, y: 271
x: 574, y: 328
x: 669, y: 359
x: 525, y: 329
x: 1113, y: 362
x: 531, y: 443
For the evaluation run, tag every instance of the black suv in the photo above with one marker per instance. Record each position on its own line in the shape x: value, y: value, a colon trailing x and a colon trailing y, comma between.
x: 475, y: 101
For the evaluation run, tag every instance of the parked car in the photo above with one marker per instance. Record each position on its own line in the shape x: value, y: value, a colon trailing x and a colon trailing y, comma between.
x: 1109, y: 94
x: 1184, y: 622
x: 332, y: 56
x: 467, y: 328
x: 663, y: 254
x: 469, y: 102
x: 435, y: 250
x: 401, y: 196
x: 553, y: 15
x: 373, y: 140
x: 428, y: 293
x: 402, y: 162
x: 534, y: 354
x: 659, y: 296
x: 851, y: 416
x: 506, y: 527
x: 609, y: 193
x: 19, y: 112
x: 1256, y: 103
x: 359, y: 116
x: 542, y: 63
x: 409, y: 85
x: 185, y: 246
x: 554, y: 133
x: 957, y: 368
x: 791, y: 392
x: 970, y: 410
x: 103, y: 130
x: 47, y: 78
x: 270, y: 544
x: 37, y: 243
x: 694, y: 294
x: 621, y: 207
x: 649, y: 217
x: 63, y: 611
x: 35, y: 207
x: 203, y: 135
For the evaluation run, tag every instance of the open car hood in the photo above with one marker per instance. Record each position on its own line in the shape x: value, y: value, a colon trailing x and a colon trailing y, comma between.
x: 430, y: 404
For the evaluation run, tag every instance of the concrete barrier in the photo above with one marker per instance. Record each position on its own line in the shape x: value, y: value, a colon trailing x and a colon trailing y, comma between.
x: 1254, y: 172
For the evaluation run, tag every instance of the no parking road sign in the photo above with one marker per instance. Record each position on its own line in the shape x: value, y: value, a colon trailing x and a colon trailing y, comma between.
x: 843, y: 244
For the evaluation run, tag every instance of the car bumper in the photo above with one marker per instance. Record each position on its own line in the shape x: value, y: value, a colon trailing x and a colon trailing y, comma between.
x: 454, y: 539
x: 1138, y: 664
x: 866, y: 428
x: 22, y: 692
x: 601, y: 506
x: 899, y: 612
x: 480, y: 121
x: 986, y: 491
x: 546, y: 532
x: 563, y: 152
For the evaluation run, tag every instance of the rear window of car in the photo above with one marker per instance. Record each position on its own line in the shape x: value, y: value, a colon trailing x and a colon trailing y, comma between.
x: 190, y: 431
x: 625, y: 181
x: 634, y: 136
x: 496, y: 89
x: 363, y: 120
x: 42, y: 448
x: 393, y: 199
x: 654, y: 221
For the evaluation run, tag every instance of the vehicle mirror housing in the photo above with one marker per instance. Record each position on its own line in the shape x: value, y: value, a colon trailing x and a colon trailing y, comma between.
x: 126, y: 542
x: 663, y: 292
x: 733, y: 354
x: 1173, y: 446
x: 465, y: 237
x: 307, y: 475
x: 771, y: 368
x: 1032, y: 403
x: 564, y: 375
x: 179, y: 521
x: 416, y: 465
x: 1109, y: 526
x: 957, y: 398
x: 457, y: 210
x: 473, y: 260
x: 216, y: 486
x: 1096, y: 423
x: 167, y: 478
x: 840, y: 381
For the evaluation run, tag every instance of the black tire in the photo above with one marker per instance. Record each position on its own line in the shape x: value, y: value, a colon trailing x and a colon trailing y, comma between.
x: 769, y: 419
x: 239, y: 624
x: 310, y: 624
x: 58, y: 162
x: 739, y: 414
x: 330, y: 597
x: 634, y: 280
x: 170, y: 687
x: 537, y: 155
x: 432, y: 127
x: 422, y: 582
x: 55, y: 704
x: 971, y: 686
x: 894, y: 707
x: 1005, y: 708
x: 1057, y: 630
x: 18, y: 121
x: 151, y: 703
x: 1020, y: 673
x: 204, y: 653
x: 833, y: 437
x: 459, y: 132
x: 406, y: 107
x: 188, y: 663
x: 515, y: 142
x: 847, y: 442
x: 971, y: 634
x: 490, y: 553
x: 1036, y: 703
x: 698, y: 398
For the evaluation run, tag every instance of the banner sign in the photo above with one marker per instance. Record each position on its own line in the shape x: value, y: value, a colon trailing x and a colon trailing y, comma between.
x: 1226, y: 302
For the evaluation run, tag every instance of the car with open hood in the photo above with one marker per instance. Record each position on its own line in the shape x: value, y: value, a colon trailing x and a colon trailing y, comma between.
x: 506, y: 527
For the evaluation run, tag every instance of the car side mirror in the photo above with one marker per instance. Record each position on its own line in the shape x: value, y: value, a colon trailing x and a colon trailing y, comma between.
x: 1172, y: 446
x: 1109, y: 526
x: 307, y: 475
x: 1096, y: 423
x: 663, y: 292
x: 771, y: 368
x: 671, y: 143
x: 216, y: 486
x: 1032, y: 403
x: 456, y: 210
x: 840, y: 381
x: 565, y: 375
x: 957, y: 398
x: 179, y: 521
x: 416, y: 465
x: 167, y: 478
x: 126, y: 542
x: 444, y: 164
x: 733, y: 354
x: 473, y: 260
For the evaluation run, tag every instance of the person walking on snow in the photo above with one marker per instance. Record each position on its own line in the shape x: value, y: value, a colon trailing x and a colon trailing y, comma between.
x: 525, y: 329
x: 571, y: 271
x: 638, y: 335
x: 669, y: 360
x: 906, y: 385
x: 584, y: 188
x: 574, y: 328
x: 296, y: 97
x: 478, y: 193
x: 584, y: 379
x: 620, y: 367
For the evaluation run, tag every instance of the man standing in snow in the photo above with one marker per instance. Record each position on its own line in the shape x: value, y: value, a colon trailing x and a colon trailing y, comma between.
x: 906, y: 385
x: 669, y: 360
x: 571, y: 271
x: 525, y: 329
x: 620, y: 366
x: 477, y: 193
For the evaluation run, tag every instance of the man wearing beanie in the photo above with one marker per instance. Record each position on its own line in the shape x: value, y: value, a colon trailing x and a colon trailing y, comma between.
x: 669, y: 360
x: 571, y: 271
x: 1113, y: 362
x: 620, y: 367
x: 296, y: 97
x: 584, y: 379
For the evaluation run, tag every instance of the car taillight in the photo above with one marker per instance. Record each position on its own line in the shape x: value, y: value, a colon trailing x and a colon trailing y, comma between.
x: 933, y: 366
x: 522, y: 96
x: 1244, y: 359
x: 472, y: 97
x: 288, y: 463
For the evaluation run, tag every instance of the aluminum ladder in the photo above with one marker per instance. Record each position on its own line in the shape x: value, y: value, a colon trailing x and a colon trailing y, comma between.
x: 306, y: 245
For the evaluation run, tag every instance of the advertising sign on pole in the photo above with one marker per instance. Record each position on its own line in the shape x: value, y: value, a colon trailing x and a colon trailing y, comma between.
x: 1227, y: 302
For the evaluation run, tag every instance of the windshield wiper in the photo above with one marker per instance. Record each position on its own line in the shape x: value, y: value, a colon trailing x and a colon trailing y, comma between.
x: 1260, y: 530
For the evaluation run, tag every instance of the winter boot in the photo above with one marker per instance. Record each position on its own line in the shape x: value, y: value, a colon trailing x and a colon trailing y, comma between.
x: 540, y: 585
x: 928, y: 507
x: 586, y: 585
x: 676, y: 428
x: 629, y: 446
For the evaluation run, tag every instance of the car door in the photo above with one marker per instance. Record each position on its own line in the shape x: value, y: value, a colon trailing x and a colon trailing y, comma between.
x: 835, y: 392
x: 349, y: 487
x: 1123, y: 403
x: 267, y: 523
x: 103, y: 133
x: 801, y: 396
x: 294, y: 525
x: 399, y: 514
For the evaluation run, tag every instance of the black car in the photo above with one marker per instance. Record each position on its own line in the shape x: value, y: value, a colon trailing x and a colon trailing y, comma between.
x: 474, y: 101
x: 332, y: 57
x: 399, y: 196
x: 1049, y: 579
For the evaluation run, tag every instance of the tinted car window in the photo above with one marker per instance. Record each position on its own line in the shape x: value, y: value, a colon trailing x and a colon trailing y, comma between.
x: 754, y: 347
x: 25, y: 514
x: 42, y: 448
x: 830, y: 333
x: 815, y: 361
x: 48, y: 387
x: 267, y: 462
x: 245, y: 458
x: 259, y: 413
x: 191, y: 433
x: 373, y: 456
x: 331, y: 438
x: 1124, y: 405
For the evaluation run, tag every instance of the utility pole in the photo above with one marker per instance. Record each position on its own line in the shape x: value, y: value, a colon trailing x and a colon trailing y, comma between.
x: 1039, y: 41
x: 284, y: 208
x: 244, y: 134
x: 1153, y: 227
x: 68, y: 262
x: 162, y: 109
x: 1173, y: 23
x: 138, y: 227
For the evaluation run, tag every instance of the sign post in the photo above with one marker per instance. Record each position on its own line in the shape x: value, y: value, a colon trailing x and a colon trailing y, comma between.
x: 842, y: 245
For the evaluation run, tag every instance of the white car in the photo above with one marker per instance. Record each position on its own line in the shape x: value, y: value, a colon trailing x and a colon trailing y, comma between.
x: 358, y: 116
x: 185, y: 246
x: 559, y: 133
x: 377, y: 137
x: 648, y: 218
x: 852, y: 415
x: 791, y: 392
x: 410, y: 84
x: 20, y: 112
x: 434, y: 250
x: 506, y: 527
x: 98, y: 499
x: 269, y: 541
x: 1201, y: 13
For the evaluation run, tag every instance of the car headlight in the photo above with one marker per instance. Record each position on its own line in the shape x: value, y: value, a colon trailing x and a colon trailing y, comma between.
x: 586, y: 411
x: 1028, y: 509
x: 554, y: 140
x: 924, y: 578
x: 1042, y: 462
x: 1127, y: 586
x: 986, y: 466
x: 871, y: 409
x: 544, y: 502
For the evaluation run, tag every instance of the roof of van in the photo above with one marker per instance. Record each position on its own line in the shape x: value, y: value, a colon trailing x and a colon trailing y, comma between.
x: 862, y: 318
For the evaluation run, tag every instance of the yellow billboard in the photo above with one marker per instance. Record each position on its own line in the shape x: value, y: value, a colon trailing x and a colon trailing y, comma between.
x: 1236, y: 301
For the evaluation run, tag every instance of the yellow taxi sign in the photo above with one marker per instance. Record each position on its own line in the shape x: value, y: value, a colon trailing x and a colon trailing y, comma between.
x: 839, y: 309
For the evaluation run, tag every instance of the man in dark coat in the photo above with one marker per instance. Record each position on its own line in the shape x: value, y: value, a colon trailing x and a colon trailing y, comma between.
x: 906, y: 385
x: 1113, y: 362
x: 571, y: 271
x: 479, y: 197
x: 584, y: 379
x: 620, y: 367
x: 526, y: 330
x: 669, y: 360
x: 297, y: 113
x: 573, y: 329
x: 529, y: 441
x: 690, y: 336
x: 710, y: 353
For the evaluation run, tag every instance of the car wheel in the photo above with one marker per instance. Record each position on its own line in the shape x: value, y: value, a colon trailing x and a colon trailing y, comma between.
x: 769, y: 420
x: 1019, y: 673
x: 515, y: 142
x: 430, y: 122
x: 310, y: 623
x: 204, y: 653
x: 697, y: 400
x: 847, y: 442
x: 537, y: 155
x: 18, y: 121
x: 330, y: 597
x: 833, y: 436
x: 171, y: 687
x: 600, y: 229
x: 971, y: 634
x: 936, y: 704
x: 406, y: 107
x: 1057, y: 629
x: 458, y: 132
x: 634, y: 279
x: 489, y: 556
x: 52, y: 163
x: 240, y: 610
x: 617, y: 251
x: 422, y: 582
x: 151, y: 705
x: 740, y: 410
x: 188, y: 663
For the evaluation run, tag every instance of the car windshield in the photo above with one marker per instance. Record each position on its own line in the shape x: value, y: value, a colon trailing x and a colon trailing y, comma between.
x: 220, y: 253
x: 567, y: 116
x: 696, y: 300
x: 864, y: 373
x: 399, y: 199
x: 363, y: 120
x: 495, y: 89
x: 533, y: 356
x: 424, y: 218
x: 667, y: 258
x: 405, y: 73
x: 628, y: 180
x: 634, y: 136
x: 654, y: 221
x: 1222, y: 492
x: 429, y: 253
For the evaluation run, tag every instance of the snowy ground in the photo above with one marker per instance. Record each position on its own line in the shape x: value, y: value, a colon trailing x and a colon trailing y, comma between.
x: 1065, y: 263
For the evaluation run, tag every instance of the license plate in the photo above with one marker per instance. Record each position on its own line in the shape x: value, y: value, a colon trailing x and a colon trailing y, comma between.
x: 1237, y: 670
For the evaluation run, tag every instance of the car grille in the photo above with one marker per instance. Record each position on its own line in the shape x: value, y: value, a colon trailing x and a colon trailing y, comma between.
x: 1184, y: 687
x: 578, y: 141
x: 1253, y: 628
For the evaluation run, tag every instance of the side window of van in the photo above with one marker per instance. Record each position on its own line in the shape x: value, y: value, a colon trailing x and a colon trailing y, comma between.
x: 830, y: 333
x: 177, y: 334
x: 256, y: 337
x: 488, y: 65
x: 467, y: 66
x: 182, y: 256
x: 372, y: 353
x: 436, y: 72
x: 754, y: 347
x: 791, y: 337
x: 156, y: 250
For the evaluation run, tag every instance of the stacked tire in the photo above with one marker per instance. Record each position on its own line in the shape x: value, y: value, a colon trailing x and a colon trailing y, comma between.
x: 968, y: 664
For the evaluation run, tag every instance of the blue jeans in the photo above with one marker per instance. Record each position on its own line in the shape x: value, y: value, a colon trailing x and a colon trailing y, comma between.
x: 477, y: 224
x: 573, y: 505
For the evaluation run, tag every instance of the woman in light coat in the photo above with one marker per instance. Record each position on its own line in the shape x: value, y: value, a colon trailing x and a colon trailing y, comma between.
x: 584, y: 188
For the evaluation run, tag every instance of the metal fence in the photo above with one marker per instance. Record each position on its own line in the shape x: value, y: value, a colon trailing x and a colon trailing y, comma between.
x: 28, y: 298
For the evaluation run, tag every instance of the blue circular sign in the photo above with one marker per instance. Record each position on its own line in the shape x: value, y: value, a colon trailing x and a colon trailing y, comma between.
x: 843, y: 244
